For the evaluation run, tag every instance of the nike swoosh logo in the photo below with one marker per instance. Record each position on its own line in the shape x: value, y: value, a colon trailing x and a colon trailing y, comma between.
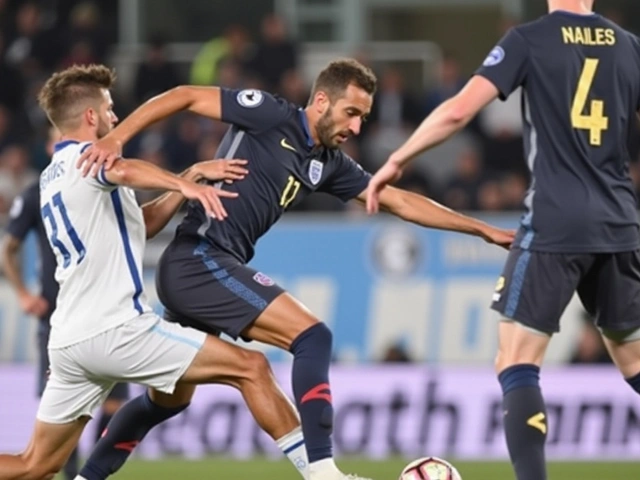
x: 284, y: 144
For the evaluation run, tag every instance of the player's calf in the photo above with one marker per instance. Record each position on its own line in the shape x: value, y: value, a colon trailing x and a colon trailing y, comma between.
x: 521, y: 351
x: 624, y: 348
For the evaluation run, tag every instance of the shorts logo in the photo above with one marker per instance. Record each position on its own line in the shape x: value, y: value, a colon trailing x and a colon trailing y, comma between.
x: 495, y: 57
x: 250, y: 98
x: 263, y: 279
x: 499, y: 287
x: 315, y: 171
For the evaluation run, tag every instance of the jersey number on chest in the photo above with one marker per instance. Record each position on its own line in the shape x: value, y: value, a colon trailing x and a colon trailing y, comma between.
x: 289, y: 192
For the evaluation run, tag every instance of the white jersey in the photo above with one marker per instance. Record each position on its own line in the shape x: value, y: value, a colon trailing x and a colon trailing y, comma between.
x: 97, y: 233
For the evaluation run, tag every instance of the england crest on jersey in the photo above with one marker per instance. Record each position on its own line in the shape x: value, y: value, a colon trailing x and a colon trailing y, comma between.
x: 315, y: 171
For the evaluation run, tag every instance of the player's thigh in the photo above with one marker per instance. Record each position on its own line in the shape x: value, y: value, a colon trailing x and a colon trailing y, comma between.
x: 211, y: 291
x: 51, y: 446
x: 610, y: 292
x: 281, y: 322
x: 518, y: 344
x: 219, y: 361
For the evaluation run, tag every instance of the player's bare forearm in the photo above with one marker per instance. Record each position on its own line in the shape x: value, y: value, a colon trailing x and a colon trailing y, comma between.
x: 158, y: 212
x: 142, y: 175
x: 11, y: 263
x: 444, y: 121
x: 427, y: 213
x: 201, y: 100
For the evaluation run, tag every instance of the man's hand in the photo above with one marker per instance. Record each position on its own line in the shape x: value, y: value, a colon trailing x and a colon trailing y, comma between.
x: 227, y: 170
x: 389, y: 173
x: 33, y: 304
x: 103, y: 152
x: 498, y: 236
x: 208, y: 196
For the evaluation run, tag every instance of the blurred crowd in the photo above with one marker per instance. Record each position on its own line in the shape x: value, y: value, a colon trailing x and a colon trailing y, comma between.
x: 481, y: 169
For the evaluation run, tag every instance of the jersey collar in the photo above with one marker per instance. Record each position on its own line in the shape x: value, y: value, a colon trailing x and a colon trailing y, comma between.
x: 65, y: 143
x: 574, y: 14
x: 305, y: 128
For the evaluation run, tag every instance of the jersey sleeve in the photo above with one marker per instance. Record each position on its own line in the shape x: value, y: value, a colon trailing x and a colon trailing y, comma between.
x: 252, y: 110
x: 506, y: 65
x: 348, y: 180
x: 24, y: 213
x: 100, y: 181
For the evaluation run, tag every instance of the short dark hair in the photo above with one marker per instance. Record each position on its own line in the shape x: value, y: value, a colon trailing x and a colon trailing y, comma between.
x: 66, y: 94
x: 339, y: 74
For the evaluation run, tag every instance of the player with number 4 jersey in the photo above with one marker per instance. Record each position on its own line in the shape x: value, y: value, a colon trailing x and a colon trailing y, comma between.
x: 580, y: 77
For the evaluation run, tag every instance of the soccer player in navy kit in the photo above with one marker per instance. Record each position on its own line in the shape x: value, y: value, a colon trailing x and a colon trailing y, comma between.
x: 203, y: 279
x: 580, y: 74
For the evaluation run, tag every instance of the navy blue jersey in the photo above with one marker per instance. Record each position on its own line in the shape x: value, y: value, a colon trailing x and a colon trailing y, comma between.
x: 25, y: 217
x: 284, y: 167
x: 580, y: 76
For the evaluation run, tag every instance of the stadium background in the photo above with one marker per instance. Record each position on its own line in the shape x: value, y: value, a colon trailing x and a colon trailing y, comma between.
x: 414, y: 338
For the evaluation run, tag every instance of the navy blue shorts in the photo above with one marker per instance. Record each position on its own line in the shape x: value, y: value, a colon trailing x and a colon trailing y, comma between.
x: 209, y: 290
x: 535, y: 288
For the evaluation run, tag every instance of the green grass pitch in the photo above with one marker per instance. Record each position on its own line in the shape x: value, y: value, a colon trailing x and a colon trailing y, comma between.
x: 215, y: 469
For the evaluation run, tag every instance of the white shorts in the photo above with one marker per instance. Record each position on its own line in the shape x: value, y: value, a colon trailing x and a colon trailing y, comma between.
x: 146, y: 350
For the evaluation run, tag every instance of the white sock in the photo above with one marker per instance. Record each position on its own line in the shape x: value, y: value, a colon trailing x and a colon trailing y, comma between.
x: 325, y: 468
x: 78, y: 477
x: 292, y: 445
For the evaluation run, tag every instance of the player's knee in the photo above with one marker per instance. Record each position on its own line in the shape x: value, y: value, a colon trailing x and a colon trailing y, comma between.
x: 257, y: 366
x: 318, y: 337
x: 324, y: 336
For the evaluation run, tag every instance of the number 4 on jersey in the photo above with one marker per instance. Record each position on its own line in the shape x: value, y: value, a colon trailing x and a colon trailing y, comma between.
x: 595, y: 121
x: 54, y: 238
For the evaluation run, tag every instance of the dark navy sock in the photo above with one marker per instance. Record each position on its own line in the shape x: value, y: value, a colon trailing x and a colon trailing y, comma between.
x: 127, y: 428
x: 634, y: 382
x: 525, y: 421
x: 310, y: 377
x: 103, y: 421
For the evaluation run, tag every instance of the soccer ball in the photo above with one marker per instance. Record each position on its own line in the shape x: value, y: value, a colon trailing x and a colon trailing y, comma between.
x: 430, y: 468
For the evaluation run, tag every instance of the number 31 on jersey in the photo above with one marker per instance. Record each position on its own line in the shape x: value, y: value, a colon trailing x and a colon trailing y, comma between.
x: 71, y: 236
x: 594, y: 121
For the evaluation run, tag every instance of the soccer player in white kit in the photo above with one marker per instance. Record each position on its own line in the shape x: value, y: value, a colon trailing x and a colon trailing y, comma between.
x: 103, y: 331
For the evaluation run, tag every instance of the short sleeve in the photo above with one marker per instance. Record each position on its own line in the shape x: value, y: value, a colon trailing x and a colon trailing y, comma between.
x: 252, y: 110
x: 506, y: 65
x: 348, y: 179
x: 24, y: 213
x: 100, y: 181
